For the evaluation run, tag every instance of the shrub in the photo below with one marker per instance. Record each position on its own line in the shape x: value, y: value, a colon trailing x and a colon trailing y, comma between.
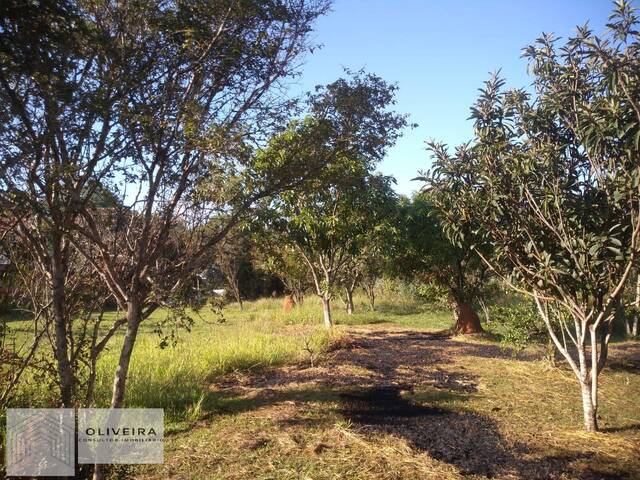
x: 520, y: 325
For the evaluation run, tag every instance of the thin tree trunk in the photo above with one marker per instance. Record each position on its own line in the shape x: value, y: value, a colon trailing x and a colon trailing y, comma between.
x: 134, y: 316
x: 232, y: 280
x: 349, y: 302
x: 236, y: 293
x: 370, y: 290
x: 636, y: 311
x: 588, y: 408
x: 588, y: 387
x: 326, y: 311
x: 58, y: 274
x: 588, y: 382
x: 594, y: 379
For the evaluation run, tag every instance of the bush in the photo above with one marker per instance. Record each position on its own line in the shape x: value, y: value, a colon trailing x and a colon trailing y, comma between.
x: 520, y: 325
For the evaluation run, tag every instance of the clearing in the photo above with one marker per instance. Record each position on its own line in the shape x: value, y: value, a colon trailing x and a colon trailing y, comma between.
x: 389, y: 401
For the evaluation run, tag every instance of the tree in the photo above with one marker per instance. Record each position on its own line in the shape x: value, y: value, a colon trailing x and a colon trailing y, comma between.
x: 281, y: 260
x: 229, y: 256
x: 374, y: 251
x: 211, y: 71
x: 349, y: 128
x: 326, y: 226
x: 427, y: 253
x: 629, y: 311
x: 142, y: 101
x: 62, y: 77
x: 555, y: 187
x: 87, y: 332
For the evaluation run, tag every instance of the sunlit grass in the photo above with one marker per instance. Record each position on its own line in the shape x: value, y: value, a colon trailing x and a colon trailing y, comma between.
x: 262, y: 335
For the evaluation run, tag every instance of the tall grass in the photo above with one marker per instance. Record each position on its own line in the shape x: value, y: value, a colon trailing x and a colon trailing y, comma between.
x: 175, y: 378
x: 262, y: 335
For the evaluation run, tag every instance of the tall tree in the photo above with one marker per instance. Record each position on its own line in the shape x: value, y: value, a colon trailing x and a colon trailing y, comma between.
x: 148, y: 100
x: 65, y: 70
x: 374, y: 251
x: 556, y: 187
x: 349, y: 128
x: 326, y: 227
x: 215, y: 65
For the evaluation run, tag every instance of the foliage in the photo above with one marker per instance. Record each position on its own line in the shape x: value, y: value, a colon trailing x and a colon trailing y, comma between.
x: 426, y: 253
x: 553, y: 183
x: 348, y: 130
x: 434, y: 294
x: 124, y: 128
x: 520, y: 324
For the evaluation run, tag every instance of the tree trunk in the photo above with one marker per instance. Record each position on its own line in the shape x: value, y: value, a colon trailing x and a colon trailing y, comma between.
x: 590, y: 410
x: 326, y: 311
x: 134, y: 316
x: 236, y: 292
x: 58, y: 274
x: 467, y: 320
x: 298, y: 296
x: 371, y: 295
x: 349, y: 301
x: 235, y: 288
x: 633, y: 322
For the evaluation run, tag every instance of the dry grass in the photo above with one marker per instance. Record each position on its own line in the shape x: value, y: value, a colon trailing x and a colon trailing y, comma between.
x: 471, y: 410
x: 386, y: 398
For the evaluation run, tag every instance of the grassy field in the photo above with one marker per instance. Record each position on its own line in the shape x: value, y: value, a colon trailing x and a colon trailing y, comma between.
x: 271, y: 395
x: 259, y: 336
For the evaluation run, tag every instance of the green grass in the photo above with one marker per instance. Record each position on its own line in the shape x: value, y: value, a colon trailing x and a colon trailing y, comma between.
x: 260, y: 336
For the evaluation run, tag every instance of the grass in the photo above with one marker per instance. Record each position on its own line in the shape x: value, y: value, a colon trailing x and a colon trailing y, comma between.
x: 521, y: 418
x: 242, y: 400
x: 262, y: 335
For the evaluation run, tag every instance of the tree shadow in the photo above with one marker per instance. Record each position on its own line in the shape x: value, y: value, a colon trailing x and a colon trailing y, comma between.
x: 372, y: 377
x: 624, y: 428
x: 470, y: 442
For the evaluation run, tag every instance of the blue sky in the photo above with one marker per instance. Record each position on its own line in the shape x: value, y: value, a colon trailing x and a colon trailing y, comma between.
x: 439, y: 52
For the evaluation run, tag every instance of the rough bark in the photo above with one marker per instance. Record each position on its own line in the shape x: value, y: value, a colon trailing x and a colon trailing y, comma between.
x: 467, y: 320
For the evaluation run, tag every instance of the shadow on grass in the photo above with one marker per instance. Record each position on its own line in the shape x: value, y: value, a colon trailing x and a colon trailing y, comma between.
x: 625, y: 428
x: 470, y: 442
x: 403, y: 384
x: 10, y: 316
